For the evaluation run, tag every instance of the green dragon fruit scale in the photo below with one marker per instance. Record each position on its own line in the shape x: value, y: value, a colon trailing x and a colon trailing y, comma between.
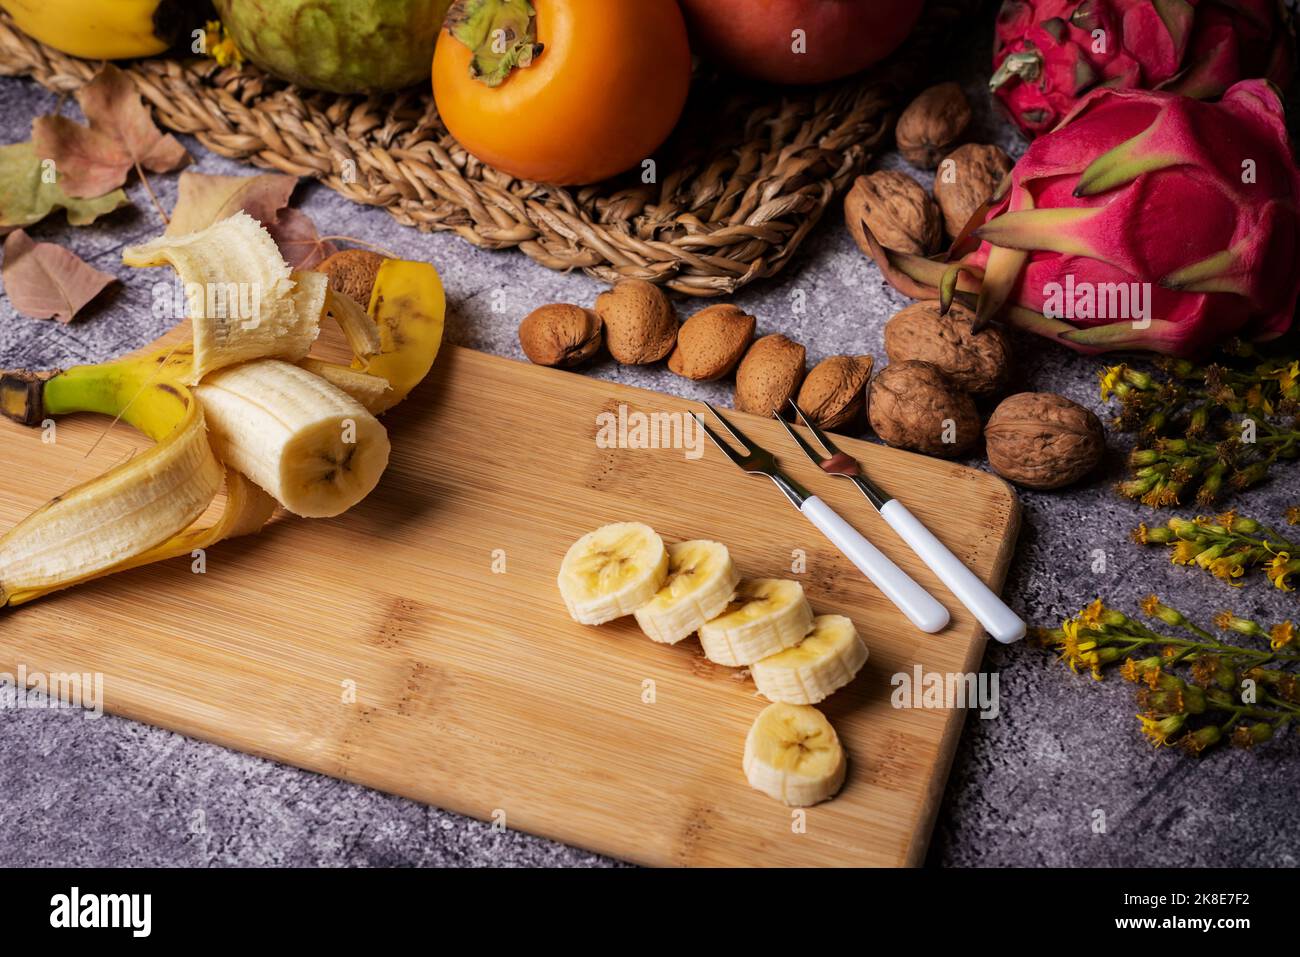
x: 1144, y: 221
x: 1049, y: 53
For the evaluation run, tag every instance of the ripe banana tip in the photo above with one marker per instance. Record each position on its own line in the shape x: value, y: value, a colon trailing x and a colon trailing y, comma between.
x: 22, y: 398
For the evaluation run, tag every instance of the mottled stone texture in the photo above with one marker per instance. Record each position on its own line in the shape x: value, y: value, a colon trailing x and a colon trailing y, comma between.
x: 1024, y: 787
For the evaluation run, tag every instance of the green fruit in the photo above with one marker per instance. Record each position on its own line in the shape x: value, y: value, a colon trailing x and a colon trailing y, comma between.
x: 343, y: 46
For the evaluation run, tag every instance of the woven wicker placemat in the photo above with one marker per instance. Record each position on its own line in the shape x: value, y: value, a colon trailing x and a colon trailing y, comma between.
x: 743, y: 180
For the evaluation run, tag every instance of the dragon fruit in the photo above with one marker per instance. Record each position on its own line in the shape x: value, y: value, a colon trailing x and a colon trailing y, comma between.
x: 1048, y: 53
x: 1144, y: 221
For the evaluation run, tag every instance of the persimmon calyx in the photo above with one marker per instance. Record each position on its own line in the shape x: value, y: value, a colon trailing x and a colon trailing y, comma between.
x: 502, y: 35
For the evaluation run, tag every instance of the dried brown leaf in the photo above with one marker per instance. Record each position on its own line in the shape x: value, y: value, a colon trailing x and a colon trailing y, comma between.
x: 94, y: 159
x: 203, y: 199
x: 299, y: 242
x: 45, y: 281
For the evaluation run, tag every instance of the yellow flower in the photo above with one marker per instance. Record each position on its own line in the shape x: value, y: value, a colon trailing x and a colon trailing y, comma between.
x: 1293, y: 515
x: 1159, y: 730
x: 1185, y: 552
x: 1228, y: 568
x: 1228, y: 519
x: 1090, y: 617
x: 223, y: 50
x: 1075, y: 652
x: 1279, y: 636
x: 1278, y: 570
x: 1110, y: 378
x: 1286, y: 376
x: 1255, y: 400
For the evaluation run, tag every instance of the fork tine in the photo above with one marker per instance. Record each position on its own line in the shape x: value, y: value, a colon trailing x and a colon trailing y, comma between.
x: 738, y: 435
x: 727, y: 450
x: 818, y: 434
x: 808, y: 449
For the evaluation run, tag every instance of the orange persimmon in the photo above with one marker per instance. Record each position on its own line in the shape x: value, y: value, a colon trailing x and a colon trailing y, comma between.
x: 562, y: 91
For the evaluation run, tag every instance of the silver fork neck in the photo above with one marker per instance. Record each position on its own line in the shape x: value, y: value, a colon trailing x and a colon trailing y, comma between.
x: 791, y: 489
x: 874, y: 493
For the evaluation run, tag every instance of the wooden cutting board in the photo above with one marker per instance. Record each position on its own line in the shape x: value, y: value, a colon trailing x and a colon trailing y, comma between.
x: 433, y: 605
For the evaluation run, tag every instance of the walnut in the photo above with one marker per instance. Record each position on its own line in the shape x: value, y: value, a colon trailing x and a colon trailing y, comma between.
x: 769, y: 375
x: 913, y: 405
x: 834, y: 394
x: 899, y: 213
x: 640, y: 322
x: 932, y: 124
x: 711, y: 342
x: 560, y: 335
x: 978, y: 363
x: 1042, y: 440
x: 967, y: 178
x: 352, y: 272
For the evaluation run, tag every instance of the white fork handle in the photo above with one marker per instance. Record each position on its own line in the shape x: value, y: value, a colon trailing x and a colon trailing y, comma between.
x: 912, y: 600
x: 998, y: 620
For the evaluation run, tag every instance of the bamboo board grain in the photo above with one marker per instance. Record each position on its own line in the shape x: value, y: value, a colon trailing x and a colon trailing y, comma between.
x: 473, y: 689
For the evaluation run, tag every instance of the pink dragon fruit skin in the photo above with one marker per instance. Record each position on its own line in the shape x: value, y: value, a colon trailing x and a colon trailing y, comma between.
x: 1197, y: 203
x: 1049, y: 53
x: 1193, y: 206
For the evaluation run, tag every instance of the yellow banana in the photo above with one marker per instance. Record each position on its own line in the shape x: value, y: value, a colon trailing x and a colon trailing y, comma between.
x: 105, y: 29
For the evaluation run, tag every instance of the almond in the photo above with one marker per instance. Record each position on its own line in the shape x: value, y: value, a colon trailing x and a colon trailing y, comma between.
x: 711, y: 342
x: 769, y: 375
x: 560, y: 335
x: 640, y: 322
x: 834, y: 394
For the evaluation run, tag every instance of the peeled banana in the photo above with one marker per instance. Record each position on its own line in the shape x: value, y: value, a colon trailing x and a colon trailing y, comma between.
x: 793, y: 754
x: 314, y: 449
x: 766, y: 616
x: 105, y: 29
x: 302, y: 435
x: 701, y: 580
x: 825, y: 661
x: 612, y: 572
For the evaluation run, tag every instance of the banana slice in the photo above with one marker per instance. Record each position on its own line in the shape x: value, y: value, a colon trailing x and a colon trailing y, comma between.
x: 701, y: 581
x: 793, y: 754
x: 612, y: 572
x: 821, y: 664
x: 766, y: 616
x: 313, y: 448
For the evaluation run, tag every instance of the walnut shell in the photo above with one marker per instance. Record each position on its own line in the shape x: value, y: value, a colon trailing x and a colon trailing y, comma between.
x: 932, y: 124
x: 560, y: 335
x: 711, y: 342
x: 834, y: 394
x: 1042, y: 440
x: 913, y: 405
x: 978, y: 363
x: 897, y: 210
x: 967, y: 178
x: 769, y: 375
x: 640, y: 322
x: 352, y: 272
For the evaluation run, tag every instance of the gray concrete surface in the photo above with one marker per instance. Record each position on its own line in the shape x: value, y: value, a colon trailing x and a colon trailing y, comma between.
x: 1024, y: 789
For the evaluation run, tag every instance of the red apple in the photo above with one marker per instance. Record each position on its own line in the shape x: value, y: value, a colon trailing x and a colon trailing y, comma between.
x: 758, y: 38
